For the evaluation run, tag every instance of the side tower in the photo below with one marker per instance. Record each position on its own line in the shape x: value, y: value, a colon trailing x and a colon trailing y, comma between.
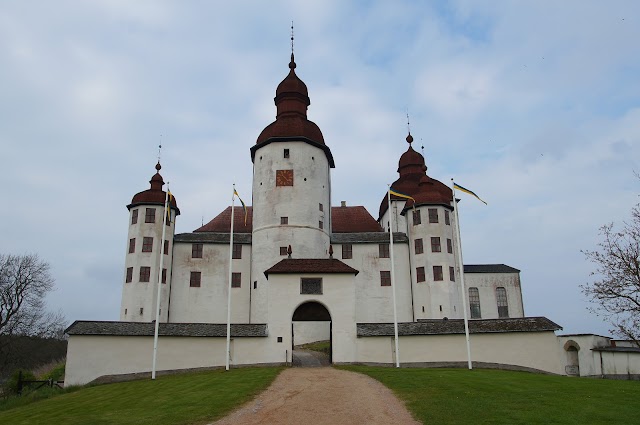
x: 291, y: 188
x: 144, y: 248
x: 430, y: 227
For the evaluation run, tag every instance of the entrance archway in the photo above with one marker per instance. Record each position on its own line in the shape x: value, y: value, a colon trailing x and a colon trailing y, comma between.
x: 311, y: 323
x: 572, y: 367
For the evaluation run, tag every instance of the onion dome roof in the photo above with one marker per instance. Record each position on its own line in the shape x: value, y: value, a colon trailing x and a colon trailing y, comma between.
x: 154, y: 195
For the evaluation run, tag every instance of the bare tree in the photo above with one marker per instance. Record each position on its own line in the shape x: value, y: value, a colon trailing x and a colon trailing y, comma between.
x: 615, y: 290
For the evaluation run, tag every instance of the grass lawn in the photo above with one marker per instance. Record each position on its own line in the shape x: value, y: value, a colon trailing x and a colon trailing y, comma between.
x: 192, y: 398
x: 460, y: 396
x: 320, y: 346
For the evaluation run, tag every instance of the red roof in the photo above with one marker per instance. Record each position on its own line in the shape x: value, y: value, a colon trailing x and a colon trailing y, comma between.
x: 155, y: 195
x: 353, y: 220
x: 319, y: 266
x: 222, y: 223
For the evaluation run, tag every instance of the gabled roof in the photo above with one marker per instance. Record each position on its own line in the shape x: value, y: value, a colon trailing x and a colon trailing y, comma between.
x: 353, y: 220
x: 86, y: 327
x: 312, y: 266
x: 222, y: 222
x: 489, y: 268
x: 456, y: 326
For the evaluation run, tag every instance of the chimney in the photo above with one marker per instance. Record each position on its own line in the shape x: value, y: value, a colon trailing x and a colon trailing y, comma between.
x: 343, y: 203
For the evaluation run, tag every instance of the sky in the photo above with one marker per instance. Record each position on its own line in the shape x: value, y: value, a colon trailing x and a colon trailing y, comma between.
x: 534, y: 105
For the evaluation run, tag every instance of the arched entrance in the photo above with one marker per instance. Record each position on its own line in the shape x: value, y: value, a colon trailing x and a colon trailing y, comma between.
x: 311, y: 324
x: 572, y: 367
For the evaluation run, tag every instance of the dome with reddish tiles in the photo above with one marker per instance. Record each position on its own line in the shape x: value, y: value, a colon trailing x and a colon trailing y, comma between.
x: 154, y: 195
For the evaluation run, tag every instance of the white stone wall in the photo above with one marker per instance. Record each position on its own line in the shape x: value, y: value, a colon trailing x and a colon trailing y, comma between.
x: 300, y: 203
x: 138, y: 295
x: 487, y: 284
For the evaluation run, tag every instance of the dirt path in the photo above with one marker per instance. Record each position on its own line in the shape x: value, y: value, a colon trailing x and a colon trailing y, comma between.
x: 322, y: 396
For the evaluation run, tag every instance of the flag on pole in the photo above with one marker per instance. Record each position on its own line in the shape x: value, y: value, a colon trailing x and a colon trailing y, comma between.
x: 465, y: 190
x: 400, y: 194
x: 244, y: 207
x: 167, y: 207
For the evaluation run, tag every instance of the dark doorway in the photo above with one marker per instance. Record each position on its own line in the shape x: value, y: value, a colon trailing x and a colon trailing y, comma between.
x: 311, y: 335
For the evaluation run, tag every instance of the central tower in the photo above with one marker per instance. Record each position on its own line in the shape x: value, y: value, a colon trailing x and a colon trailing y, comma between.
x: 291, y: 189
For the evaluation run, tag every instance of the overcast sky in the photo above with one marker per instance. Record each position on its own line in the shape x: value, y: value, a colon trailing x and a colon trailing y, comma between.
x: 533, y: 105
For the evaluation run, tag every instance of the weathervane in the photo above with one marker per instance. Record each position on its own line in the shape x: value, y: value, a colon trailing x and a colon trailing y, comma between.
x: 291, y: 37
x: 159, y: 148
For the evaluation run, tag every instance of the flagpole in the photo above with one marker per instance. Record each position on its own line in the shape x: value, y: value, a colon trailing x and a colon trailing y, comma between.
x: 155, y: 335
x: 461, y: 268
x: 233, y: 197
x: 393, y: 278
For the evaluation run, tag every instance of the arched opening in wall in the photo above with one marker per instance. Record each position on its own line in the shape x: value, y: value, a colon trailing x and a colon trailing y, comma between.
x: 311, y: 335
x: 572, y: 367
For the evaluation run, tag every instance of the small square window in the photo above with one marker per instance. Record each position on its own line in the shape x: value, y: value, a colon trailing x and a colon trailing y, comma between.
x: 286, y: 153
x: 284, y: 220
x: 447, y: 220
x: 150, y: 215
x: 449, y: 246
x: 237, y: 251
x: 452, y: 274
x: 166, y: 247
x: 236, y: 280
x: 196, y: 250
x: 419, y: 249
x: 279, y: 339
x: 437, y: 273
x: 283, y: 250
x: 320, y: 207
x: 435, y: 244
x: 147, y: 244
x: 385, y: 278
x: 347, y: 251
x: 416, y: 217
x: 433, y: 215
x: 383, y: 250
x: 145, y: 273
x: 311, y: 286
x: 195, y: 279
x: 132, y: 245
x: 420, y: 277
x: 134, y: 216
x: 164, y: 275
x: 129, y: 274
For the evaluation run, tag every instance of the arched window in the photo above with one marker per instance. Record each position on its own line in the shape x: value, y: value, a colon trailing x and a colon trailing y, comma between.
x: 503, y: 306
x: 474, y: 303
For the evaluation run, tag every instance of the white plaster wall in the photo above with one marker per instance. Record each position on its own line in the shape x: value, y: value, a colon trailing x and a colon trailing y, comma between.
x: 136, y: 294
x: 537, y: 350
x: 619, y: 362
x: 307, y: 332
x: 89, y: 357
x: 338, y: 297
x: 300, y: 203
x: 487, y: 284
x: 208, y: 303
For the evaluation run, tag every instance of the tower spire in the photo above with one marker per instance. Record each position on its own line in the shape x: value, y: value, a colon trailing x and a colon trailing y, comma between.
x: 409, y: 136
x: 292, y: 64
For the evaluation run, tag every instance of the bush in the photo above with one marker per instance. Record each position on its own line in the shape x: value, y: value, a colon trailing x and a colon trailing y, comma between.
x: 11, y: 386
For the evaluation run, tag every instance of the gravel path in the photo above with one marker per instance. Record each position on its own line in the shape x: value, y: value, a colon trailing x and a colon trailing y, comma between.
x: 322, y: 396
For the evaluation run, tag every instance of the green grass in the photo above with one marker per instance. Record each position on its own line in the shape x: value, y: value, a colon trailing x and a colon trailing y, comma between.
x: 192, y: 398
x: 320, y: 346
x: 460, y: 396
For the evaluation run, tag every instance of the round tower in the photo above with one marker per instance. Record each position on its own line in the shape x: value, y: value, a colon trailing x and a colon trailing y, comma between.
x: 291, y: 188
x: 429, y: 224
x: 143, y: 253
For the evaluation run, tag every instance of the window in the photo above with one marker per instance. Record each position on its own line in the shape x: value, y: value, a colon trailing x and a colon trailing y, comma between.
x: 320, y: 207
x: 416, y: 217
x: 194, y: 279
x: 503, y: 307
x: 437, y: 273
x: 196, y: 250
x: 321, y: 224
x: 236, y: 280
x: 383, y: 250
x: 418, y: 246
x: 420, y: 277
x: 150, y: 215
x: 129, y: 274
x: 311, y: 286
x: 132, y: 245
x: 166, y: 247
x: 134, y: 216
x: 141, y: 310
x: 237, y: 251
x: 452, y: 274
x: 283, y: 250
x: 286, y: 153
x: 347, y: 251
x: 164, y: 275
x: 284, y: 220
x: 385, y: 278
x: 449, y: 246
x: 435, y: 244
x: 474, y: 303
x: 447, y: 220
x: 433, y: 215
x: 147, y: 244
x: 145, y: 272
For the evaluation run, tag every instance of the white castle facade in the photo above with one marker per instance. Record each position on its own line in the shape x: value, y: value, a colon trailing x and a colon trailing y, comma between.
x: 303, y: 270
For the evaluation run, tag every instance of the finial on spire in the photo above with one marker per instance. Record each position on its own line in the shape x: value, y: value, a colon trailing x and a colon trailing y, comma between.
x: 292, y: 64
x: 409, y: 136
x: 159, y: 148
